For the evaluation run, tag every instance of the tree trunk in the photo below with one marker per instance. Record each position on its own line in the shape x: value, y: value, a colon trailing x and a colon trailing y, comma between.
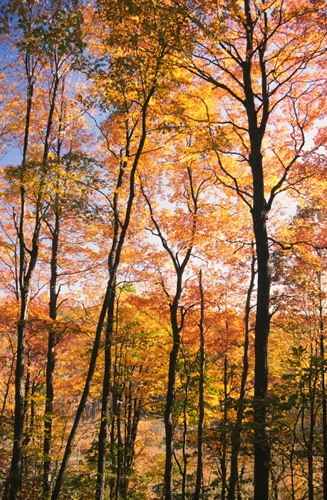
x: 131, y: 421
x: 49, y: 397
x: 262, y: 326
x: 259, y: 211
x: 223, y: 434
x: 16, y: 464
x: 102, y: 440
x: 313, y: 382
x: 81, y: 406
x: 236, y: 432
x: 168, y: 416
x: 170, y: 397
x: 183, y: 467
x: 199, y: 467
x: 177, y: 317
x: 25, y: 272
x: 323, y: 388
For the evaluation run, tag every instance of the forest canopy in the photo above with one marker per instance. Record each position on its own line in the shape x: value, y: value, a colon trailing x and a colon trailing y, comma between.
x: 163, y: 249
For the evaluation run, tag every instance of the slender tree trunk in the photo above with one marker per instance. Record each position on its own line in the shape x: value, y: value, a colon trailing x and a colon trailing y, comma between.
x: 131, y: 421
x: 16, y: 467
x: 236, y: 432
x: 168, y: 415
x: 310, y: 453
x: 183, y: 467
x: 177, y: 327
x: 102, y: 440
x: 199, y: 467
x: 308, y: 402
x: 19, y: 413
x: 313, y: 381
x: 323, y: 388
x: 324, y: 420
x: 27, y: 400
x: 25, y: 272
x: 170, y: 396
x: 81, y: 406
x: 119, y: 452
x: 292, y: 468
x: 113, y: 454
x: 223, y: 434
x: 310, y: 476
x: 32, y: 416
x: 50, y: 360
x: 53, y: 307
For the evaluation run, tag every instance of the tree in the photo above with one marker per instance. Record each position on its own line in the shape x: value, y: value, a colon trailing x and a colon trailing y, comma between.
x: 199, y: 469
x: 128, y: 104
x: 179, y: 252
x: 56, y: 50
x: 260, y: 59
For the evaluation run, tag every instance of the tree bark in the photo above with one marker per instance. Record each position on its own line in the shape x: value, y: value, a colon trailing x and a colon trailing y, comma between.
x: 262, y: 326
x: 102, y: 440
x: 323, y: 386
x: 259, y: 211
x: 199, y: 467
x: 49, y: 397
x: 236, y: 432
x: 26, y: 269
x: 170, y: 398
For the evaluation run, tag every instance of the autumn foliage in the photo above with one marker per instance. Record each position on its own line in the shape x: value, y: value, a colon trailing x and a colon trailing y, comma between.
x: 163, y: 249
